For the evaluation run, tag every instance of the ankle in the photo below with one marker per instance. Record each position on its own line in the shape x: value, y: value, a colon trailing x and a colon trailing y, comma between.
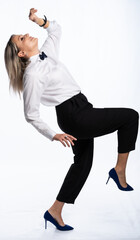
x: 55, y: 210
x: 56, y: 207
x: 120, y: 170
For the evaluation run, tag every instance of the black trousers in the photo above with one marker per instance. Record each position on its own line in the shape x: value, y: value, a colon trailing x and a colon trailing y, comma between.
x: 77, y: 117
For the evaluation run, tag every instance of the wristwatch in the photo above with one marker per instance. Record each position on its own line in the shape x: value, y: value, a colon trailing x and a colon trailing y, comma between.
x: 45, y: 21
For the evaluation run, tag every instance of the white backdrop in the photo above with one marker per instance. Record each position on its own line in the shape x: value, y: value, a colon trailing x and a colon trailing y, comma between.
x: 100, y: 47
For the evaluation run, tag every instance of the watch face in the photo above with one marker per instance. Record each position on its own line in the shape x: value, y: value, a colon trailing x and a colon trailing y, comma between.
x: 45, y: 21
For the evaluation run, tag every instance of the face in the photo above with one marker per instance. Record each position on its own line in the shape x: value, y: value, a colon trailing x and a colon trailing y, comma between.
x: 28, y: 45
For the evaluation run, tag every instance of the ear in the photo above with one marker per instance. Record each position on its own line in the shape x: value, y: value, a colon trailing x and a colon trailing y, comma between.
x: 21, y: 54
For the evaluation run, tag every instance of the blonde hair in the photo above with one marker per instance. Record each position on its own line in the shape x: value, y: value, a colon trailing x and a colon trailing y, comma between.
x: 15, y: 66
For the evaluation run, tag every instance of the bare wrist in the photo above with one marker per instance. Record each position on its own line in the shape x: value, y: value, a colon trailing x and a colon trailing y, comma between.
x: 39, y: 21
x: 47, y: 24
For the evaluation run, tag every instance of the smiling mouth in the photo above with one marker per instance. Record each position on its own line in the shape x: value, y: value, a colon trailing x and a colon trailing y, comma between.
x: 32, y: 38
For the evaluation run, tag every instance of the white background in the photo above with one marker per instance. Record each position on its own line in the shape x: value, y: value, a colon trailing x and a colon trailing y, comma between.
x: 100, y: 46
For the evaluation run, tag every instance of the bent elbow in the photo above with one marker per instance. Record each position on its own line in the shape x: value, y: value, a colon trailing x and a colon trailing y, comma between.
x: 29, y: 118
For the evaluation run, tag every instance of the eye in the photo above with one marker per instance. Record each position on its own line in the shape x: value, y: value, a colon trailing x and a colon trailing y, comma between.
x: 21, y: 38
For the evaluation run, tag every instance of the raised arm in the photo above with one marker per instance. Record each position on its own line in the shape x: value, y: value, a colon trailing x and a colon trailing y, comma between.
x: 52, y: 42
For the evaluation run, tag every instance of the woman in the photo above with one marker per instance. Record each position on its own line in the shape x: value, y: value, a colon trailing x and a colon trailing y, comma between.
x: 44, y: 79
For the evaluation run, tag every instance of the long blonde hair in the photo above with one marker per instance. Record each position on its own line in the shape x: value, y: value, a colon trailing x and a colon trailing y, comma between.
x: 15, y: 66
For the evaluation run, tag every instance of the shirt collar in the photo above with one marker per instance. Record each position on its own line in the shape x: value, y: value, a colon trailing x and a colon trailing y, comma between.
x: 34, y: 57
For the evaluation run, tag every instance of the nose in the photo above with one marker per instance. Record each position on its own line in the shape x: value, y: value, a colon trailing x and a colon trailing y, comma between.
x: 27, y: 35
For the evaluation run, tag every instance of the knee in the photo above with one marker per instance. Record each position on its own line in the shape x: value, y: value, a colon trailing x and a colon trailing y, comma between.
x: 134, y: 113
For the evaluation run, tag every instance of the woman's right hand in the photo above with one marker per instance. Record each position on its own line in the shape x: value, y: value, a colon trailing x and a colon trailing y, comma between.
x: 64, y: 138
x: 32, y: 16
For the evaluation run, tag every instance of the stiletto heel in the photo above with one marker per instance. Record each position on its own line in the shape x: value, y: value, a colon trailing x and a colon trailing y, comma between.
x: 108, y: 179
x: 112, y: 174
x: 45, y: 224
x: 48, y: 217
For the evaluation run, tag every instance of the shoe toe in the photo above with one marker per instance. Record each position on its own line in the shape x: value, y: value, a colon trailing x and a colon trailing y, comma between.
x: 69, y: 227
x: 129, y: 188
x: 65, y: 228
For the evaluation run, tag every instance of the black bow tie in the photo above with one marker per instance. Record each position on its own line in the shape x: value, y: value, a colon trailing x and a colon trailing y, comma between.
x: 42, y: 56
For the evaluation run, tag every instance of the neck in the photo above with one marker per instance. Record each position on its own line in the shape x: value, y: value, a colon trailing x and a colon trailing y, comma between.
x: 33, y: 53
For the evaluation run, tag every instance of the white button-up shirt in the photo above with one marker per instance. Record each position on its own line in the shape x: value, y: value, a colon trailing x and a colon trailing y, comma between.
x: 47, y: 81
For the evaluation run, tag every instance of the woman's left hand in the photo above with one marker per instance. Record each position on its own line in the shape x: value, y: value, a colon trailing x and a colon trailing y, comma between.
x: 64, y: 137
x: 32, y: 16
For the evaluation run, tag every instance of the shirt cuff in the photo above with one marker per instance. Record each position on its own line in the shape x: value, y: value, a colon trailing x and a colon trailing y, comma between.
x: 51, y: 135
x: 51, y: 26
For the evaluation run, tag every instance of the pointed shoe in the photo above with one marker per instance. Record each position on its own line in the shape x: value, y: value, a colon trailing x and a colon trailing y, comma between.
x: 48, y: 217
x: 112, y: 174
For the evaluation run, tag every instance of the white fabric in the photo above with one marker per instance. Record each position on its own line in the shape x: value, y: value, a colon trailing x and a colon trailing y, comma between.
x: 47, y: 81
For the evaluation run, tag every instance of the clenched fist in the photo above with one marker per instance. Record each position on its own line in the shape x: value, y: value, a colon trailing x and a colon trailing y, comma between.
x: 32, y: 15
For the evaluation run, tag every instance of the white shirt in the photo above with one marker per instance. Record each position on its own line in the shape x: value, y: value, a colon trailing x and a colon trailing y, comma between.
x: 47, y: 81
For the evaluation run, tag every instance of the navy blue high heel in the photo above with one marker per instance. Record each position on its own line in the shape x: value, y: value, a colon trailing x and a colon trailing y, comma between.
x: 112, y: 174
x: 48, y: 217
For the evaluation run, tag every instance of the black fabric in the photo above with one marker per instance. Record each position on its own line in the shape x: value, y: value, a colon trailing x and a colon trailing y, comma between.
x: 42, y: 56
x: 78, y: 117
